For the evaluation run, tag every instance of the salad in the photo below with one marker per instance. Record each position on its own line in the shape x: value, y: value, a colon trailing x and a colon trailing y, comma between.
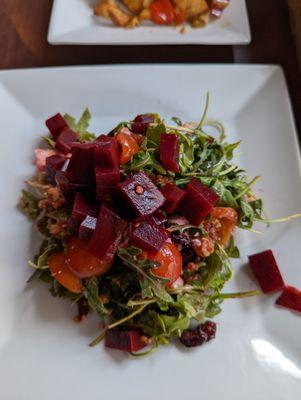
x: 130, y: 13
x: 138, y: 224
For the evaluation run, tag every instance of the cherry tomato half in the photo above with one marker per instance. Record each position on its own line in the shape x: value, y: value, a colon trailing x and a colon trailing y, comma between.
x: 82, y: 262
x: 162, y: 12
x: 127, y: 144
x: 60, y: 272
x: 170, y: 260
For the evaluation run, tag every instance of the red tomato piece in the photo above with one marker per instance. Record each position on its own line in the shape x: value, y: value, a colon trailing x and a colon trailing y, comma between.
x: 60, y: 272
x: 82, y: 262
x: 170, y: 260
x: 128, y: 146
x: 162, y: 12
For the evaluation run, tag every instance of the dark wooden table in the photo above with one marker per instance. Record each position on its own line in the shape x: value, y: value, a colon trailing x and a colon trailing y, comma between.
x: 24, y: 25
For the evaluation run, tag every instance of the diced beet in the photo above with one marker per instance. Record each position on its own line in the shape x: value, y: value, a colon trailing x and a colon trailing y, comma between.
x: 106, y: 152
x: 82, y: 208
x: 106, y: 180
x: 266, y: 271
x: 141, y: 194
x: 68, y: 188
x: 108, y: 234
x: 141, y: 123
x: 53, y: 164
x: 149, y: 236
x: 129, y: 341
x: 290, y: 298
x: 197, y: 202
x: 81, y: 166
x: 65, y: 140
x: 169, y: 151
x: 87, y: 227
x: 173, y: 195
x: 56, y: 124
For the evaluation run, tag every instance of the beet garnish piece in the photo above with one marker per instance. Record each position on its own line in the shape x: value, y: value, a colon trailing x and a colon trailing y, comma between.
x: 141, y: 123
x: 65, y: 140
x: 266, y: 271
x: 173, y: 195
x: 141, y: 194
x: 81, y: 166
x: 82, y: 208
x: 169, y: 151
x: 106, y: 180
x: 149, y: 236
x: 56, y: 124
x: 130, y: 341
x: 68, y: 188
x: 197, y: 202
x: 106, y: 152
x: 53, y: 164
x: 290, y: 298
x: 108, y: 234
x: 87, y: 227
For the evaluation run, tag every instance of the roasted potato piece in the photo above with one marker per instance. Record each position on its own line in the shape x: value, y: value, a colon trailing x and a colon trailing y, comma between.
x: 135, y: 6
x: 192, y: 8
x: 110, y: 9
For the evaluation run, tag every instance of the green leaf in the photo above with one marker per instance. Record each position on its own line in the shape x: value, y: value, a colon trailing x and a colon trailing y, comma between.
x: 30, y: 204
x: 154, y: 132
x: 49, y: 141
x: 48, y: 247
x: 93, y: 297
x: 232, y: 250
x: 81, y: 127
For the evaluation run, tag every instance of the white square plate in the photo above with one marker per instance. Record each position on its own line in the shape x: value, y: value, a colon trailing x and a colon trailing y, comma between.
x: 72, y: 22
x: 257, y: 351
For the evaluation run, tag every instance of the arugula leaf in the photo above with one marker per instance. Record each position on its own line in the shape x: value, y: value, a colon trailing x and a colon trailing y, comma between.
x: 94, y: 299
x: 81, y: 127
x: 232, y: 250
x: 154, y: 132
x: 30, y: 204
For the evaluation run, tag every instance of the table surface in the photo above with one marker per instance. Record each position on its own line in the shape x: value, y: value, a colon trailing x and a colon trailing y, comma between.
x: 23, y: 44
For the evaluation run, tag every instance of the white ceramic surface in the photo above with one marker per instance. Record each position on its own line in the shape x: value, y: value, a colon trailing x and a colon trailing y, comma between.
x: 257, y: 351
x: 72, y: 21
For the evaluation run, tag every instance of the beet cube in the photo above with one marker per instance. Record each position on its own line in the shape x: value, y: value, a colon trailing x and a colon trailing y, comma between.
x: 106, y: 152
x: 141, y: 194
x: 108, y: 234
x: 68, y: 188
x: 87, y: 227
x: 141, y: 123
x: 169, y: 151
x: 65, y: 140
x: 290, y: 298
x: 173, y: 195
x: 106, y: 180
x: 159, y: 217
x: 266, y: 271
x: 82, y: 208
x: 129, y: 341
x: 197, y: 202
x: 81, y: 166
x: 56, y: 124
x: 149, y: 236
x: 53, y: 164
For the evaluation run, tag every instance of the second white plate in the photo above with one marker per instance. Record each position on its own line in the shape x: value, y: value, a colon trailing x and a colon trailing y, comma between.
x: 72, y: 22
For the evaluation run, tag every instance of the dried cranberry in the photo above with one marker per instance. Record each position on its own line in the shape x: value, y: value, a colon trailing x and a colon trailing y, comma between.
x: 209, y: 327
x: 193, y: 337
x: 83, y: 308
x: 186, y: 249
x: 201, y: 334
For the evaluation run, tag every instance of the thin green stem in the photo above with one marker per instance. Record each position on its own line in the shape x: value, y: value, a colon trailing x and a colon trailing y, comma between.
x: 200, y: 124
x: 247, y: 187
x: 239, y: 295
x: 284, y: 219
x: 128, y: 317
x: 98, y: 339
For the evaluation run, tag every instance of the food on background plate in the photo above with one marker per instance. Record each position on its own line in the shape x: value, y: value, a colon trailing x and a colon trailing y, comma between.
x: 130, y: 13
x: 138, y: 224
